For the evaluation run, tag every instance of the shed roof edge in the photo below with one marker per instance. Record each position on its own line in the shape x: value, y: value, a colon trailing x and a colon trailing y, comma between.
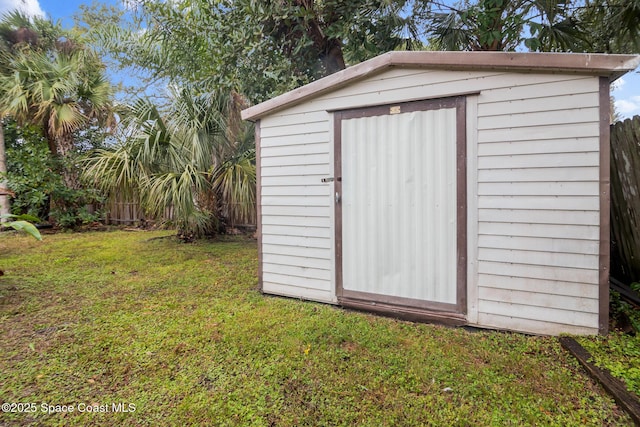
x: 612, y: 66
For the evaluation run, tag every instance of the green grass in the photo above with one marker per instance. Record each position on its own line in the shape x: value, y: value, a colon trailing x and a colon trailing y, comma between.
x: 620, y: 354
x: 181, y: 332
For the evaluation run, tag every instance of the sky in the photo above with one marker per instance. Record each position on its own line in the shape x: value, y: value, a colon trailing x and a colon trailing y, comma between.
x: 625, y: 90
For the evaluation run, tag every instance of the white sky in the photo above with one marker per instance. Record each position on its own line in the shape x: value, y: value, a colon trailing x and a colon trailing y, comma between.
x: 31, y: 7
x: 627, y: 97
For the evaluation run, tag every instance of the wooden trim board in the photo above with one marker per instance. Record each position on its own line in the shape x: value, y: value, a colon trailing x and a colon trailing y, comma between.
x: 605, y: 219
x: 612, y: 385
x: 396, y: 305
x: 610, y: 66
x: 259, y: 206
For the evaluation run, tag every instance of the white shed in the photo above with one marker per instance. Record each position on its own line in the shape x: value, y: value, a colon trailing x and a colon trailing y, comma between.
x: 470, y: 188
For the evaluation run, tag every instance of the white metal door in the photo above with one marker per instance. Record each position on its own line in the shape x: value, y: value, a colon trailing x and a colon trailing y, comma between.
x: 398, y: 207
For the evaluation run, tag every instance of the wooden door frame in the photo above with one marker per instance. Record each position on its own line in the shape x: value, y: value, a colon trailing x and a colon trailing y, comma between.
x: 410, y: 308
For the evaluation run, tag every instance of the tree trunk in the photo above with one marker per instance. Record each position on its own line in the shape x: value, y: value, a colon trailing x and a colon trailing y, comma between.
x: 5, y: 207
x: 64, y: 145
x: 329, y: 49
x: 61, y: 148
x: 334, y: 58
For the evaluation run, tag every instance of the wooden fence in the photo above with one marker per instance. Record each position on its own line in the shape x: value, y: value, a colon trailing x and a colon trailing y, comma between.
x: 625, y: 195
x: 126, y: 212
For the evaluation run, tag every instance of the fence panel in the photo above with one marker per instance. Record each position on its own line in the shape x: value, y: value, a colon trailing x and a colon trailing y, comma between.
x: 127, y: 212
x: 625, y: 193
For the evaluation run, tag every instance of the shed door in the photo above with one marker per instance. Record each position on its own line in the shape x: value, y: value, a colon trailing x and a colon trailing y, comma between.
x: 400, y: 208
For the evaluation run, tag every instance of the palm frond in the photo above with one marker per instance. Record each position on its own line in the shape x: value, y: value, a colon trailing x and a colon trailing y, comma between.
x: 191, y: 158
x: 235, y: 182
x: 59, y: 90
x: 561, y: 36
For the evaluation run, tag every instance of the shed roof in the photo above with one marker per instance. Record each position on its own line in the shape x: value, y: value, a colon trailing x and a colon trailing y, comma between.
x: 612, y: 66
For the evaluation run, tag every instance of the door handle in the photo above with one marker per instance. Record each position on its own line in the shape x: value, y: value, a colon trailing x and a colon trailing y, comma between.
x: 337, y: 197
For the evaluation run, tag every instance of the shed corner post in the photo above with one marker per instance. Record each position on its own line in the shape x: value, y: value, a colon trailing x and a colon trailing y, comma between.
x: 259, y: 205
x: 472, y: 207
x: 605, y: 200
x: 337, y: 207
x: 462, y: 203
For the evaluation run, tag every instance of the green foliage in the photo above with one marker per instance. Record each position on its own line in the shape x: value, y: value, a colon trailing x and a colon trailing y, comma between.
x: 182, y: 332
x: 20, y: 31
x: 58, y: 90
x: 624, y: 312
x: 55, y: 89
x: 76, y: 207
x: 613, y: 25
x: 619, y: 351
x: 620, y: 354
x: 22, y: 223
x: 220, y: 45
x: 195, y: 158
x: 538, y: 25
x: 33, y: 177
x: 30, y: 170
x: 235, y: 183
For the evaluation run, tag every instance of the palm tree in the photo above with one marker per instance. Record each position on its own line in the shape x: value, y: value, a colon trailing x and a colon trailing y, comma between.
x: 62, y: 91
x: 47, y: 78
x: 5, y: 207
x: 614, y: 25
x: 15, y: 29
x: 610, y: 26
x: 197, y: 158
x: 544, y: 25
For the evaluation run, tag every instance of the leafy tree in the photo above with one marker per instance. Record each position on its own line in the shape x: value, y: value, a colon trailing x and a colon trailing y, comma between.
x: 190, y: 154
x: 31, y: 176
x: 19, y: 30
x: 34, y: 179
x: 221, y: 45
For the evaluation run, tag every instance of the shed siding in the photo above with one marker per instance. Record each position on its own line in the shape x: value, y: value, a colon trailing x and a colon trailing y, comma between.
x: 538, y: 217
x: 537, y: 192
x: 296, y: 205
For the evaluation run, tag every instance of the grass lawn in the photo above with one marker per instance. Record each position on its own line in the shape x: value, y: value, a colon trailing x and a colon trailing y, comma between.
x: 620, y: 354
x: 177, y: 334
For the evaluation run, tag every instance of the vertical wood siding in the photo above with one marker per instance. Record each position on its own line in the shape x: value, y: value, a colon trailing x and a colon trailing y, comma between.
x: 536, y: 193
x: 399, y: 205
